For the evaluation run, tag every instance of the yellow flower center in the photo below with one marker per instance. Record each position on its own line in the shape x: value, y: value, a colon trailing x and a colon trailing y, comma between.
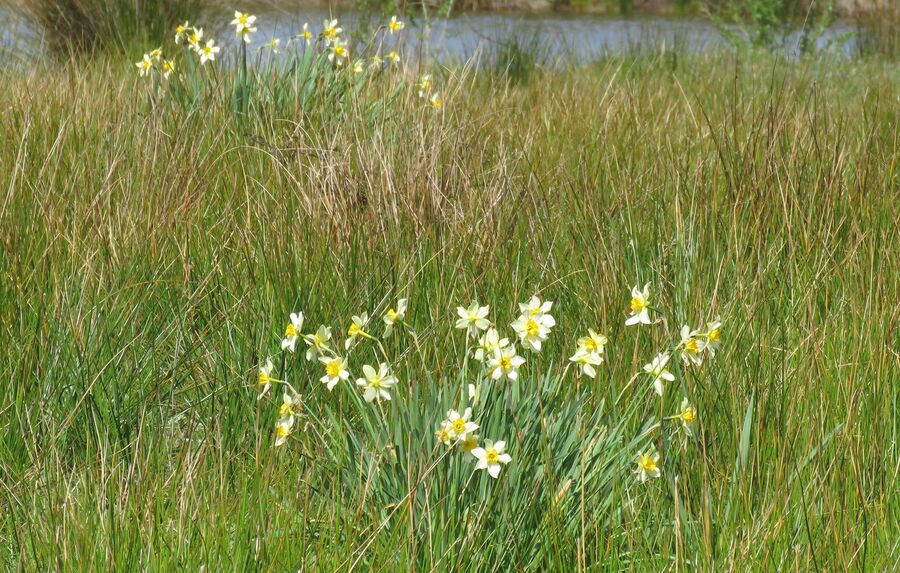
x: 691, y: 346
x: 375, y: 382
x: 713, y: 335
x: 339, y: 51
x: 285, y: 410
x: 264, y: 378
x: 242, y: 20
x: 492, y: 456
x: 329, y: 32
x: 290, y: 331
x: 392, y: 314
x: 307, y: 35
x: 532, y: 328
x: 506, y: 363
x: 443, y: 435
x: 638, y: 304
x: 281, y: 431
x: 647, y: 463
x: 354, y: 330
x: 333, y: 368
x: 688, y: 415
x: 459, y: 425
x: 590, y: 344
x: 469, y: 444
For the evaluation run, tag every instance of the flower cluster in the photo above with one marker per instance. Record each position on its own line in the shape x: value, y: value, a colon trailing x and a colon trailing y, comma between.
x: 331, y: 45
x: 499, y: 361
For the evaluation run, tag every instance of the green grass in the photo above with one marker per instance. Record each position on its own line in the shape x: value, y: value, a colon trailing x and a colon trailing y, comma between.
x: 152, y: 249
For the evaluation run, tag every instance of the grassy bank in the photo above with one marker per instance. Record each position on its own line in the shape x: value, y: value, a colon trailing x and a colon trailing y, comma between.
x: 154, y: 243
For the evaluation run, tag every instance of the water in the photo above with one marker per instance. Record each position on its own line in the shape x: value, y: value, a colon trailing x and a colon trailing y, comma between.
x: 567, y: 37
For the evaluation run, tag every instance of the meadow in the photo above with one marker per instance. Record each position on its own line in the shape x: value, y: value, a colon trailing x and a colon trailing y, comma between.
x: 158, y: 233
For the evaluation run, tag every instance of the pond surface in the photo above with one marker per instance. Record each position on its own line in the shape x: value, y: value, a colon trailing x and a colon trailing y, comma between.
x: 559, y: 37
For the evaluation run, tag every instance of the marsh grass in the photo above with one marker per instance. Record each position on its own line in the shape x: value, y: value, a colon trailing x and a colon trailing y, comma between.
x: 152, y: 251
x: 106, y: 26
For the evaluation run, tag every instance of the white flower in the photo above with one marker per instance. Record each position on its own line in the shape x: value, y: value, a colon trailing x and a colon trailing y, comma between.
x: 648, y: 465
x: 181, y: 31
x: 460, y: 424
x: 425, y: 86
x: 534, y: 325
x: 338, y: 52
x: 194, y: 39
x: 357, y: 67
x: 208, y: 52
x: 145, y: 65
x: 395, y: 25
x: 491, y: 456
x: 657, y: 370
x: 640, y: 299
x: 593, y: 342
x: 691, y: 346
x: 335, y: 371
x: 290, y: 405
x: 264, y: 378
x: 688, y: 416
x: 377, y: 383
x: 505, y: 363
x: 712, y: 336
x: 283, y: 430
x: 394, y: 316
x: 444, y: 433
x: 474, y: 393
x: 586, y: 361
x: 293, y: 330
x: 357, y: 330
x: 473, y: 319
x: 243, y: 24
x: 330, y: 30
x: 489, y: 343
x: 318, y: 342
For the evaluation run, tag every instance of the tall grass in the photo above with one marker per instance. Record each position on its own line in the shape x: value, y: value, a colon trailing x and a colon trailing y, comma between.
x: 152, y: 249
x: 104, y: 26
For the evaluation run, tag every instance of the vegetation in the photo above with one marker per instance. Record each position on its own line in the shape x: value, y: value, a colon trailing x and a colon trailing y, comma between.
x: 157, y: 232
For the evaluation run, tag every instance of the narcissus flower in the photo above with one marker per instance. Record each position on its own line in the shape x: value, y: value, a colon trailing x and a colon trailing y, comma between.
x: 437, y: 103
x: 330, y: 30
x: 306, y: 34
x: 243, y: 24
x: 395, y: 25
x: 357, y: 67
x: 283, y: 430
x: 424, y: 86
x: 460, y: 423
x: 393, y: 316
x: 271, y: 45
x: 586, y: 361
x: 657, y: 371
x: 357, y: 329
x: 491, y: 456
x: 688, y: 416
x: 505, y: 363
x: 181, y: 31
x: 318, y: 342
x: 292, y: 331
x: 145, y: 65
x: 469, y: 443
x: 640, y: 300
x: 712, y: 336
x: 338, y: 52
x: 335, y: 371
x: 208, y: 52
x: 489, y: 343
x: 691, y: 346
x: 648, y: 465
x: 593, y: 342
x: 377, y: 383
x: 156, y: 54
x: 444, y: 433
x: 375, y: 63
x: 473, y: 319
x: 194, y: 39
x: 534, y: 325
x: 393, y: 58
x: 264, y: 378
x: 168, y: 68
x: 290, y: 405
